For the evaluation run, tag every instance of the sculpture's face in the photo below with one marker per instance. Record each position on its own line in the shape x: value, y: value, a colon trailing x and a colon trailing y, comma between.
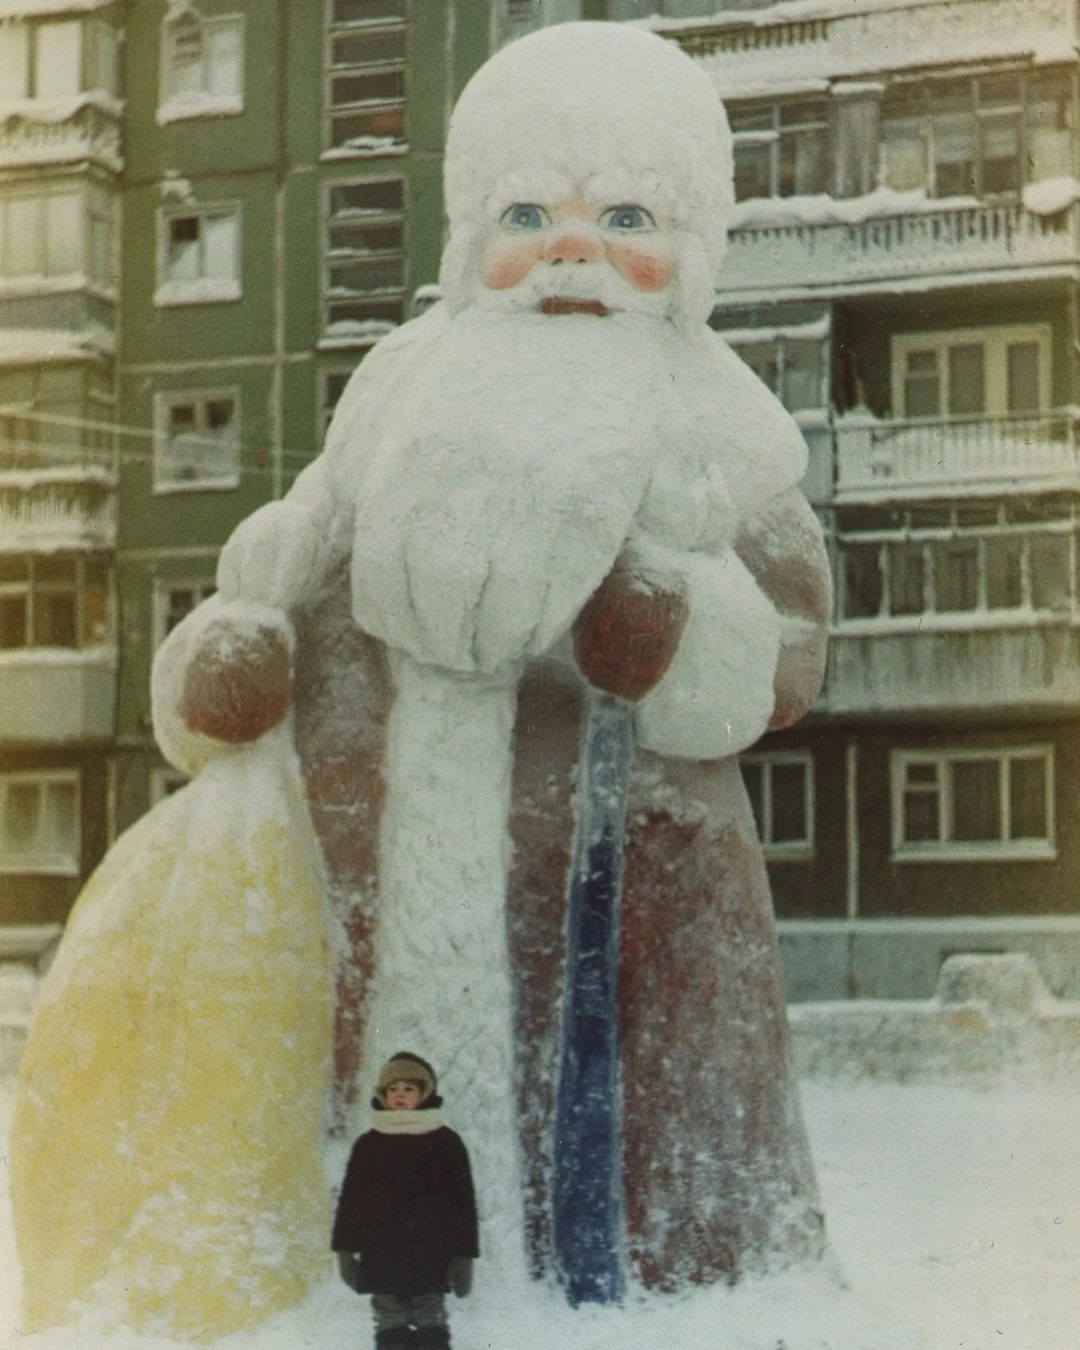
x: 573, y: 256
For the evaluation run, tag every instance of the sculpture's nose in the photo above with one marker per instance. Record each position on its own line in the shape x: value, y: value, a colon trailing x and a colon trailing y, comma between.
x: 573, y: 242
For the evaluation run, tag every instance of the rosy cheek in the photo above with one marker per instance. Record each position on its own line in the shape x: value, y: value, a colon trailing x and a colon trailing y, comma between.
x: 507, y: 264
x: 644, y: 269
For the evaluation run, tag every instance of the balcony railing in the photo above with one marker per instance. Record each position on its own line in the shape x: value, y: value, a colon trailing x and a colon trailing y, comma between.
x: 813, y: 259
x: 84, y: 128
x: 69, y: 507
x: 932, y: 456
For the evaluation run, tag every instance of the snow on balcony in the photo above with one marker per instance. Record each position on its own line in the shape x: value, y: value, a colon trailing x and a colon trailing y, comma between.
x: 900, y: 460
x: 790, y: 257
x: 786, y: 45
x: 57, y: 508
x: 61, y: 131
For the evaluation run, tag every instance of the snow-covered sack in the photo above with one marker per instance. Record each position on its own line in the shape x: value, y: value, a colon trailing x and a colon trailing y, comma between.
x: 166, y: 1150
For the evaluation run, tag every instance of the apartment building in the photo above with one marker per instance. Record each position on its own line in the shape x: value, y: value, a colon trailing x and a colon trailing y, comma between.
x: 209, y: 212
x: 903, y: 272
x: 60, y: 184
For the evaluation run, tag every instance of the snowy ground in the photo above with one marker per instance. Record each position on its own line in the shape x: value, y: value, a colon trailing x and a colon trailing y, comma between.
x: 957, y: 1211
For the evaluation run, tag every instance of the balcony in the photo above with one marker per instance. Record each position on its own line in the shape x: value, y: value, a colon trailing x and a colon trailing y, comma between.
x: 965, y: 244
x: 977, y: 662
x: 54, y: 696
x: 941, y: 457
x: 778, y: 47
x: 75, y: 130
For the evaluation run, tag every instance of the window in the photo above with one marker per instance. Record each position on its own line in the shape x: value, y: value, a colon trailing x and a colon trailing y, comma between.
x: 790, y: 366
x: 54, y: 415
x: 174, y: 600
x: 333, y: 386
x: 54, y: 600
x: 781, y: 150
x: 45, y: 60
x: 202, y: 66
x: 780, y: 787
x: 971, y: 557
x: 366, y: 78
x: 365, y: 259
x: 971, y: 372
x: 973, y: 804
x: 985, y: 136
x: 200, y: 256
x: 197, y: 444
x: 39, y: 822
x: 41, y: 234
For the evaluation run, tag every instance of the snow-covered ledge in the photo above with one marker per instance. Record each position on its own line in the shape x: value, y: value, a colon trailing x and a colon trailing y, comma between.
x: 183, y: 107
x: 991, y: 1015
x: 207, y: 291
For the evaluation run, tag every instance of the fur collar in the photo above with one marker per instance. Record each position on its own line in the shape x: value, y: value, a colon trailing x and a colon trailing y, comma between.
x: 408, y: 1122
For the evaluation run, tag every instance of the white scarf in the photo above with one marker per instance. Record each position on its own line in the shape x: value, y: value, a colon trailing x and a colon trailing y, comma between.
x: 408, y: 1122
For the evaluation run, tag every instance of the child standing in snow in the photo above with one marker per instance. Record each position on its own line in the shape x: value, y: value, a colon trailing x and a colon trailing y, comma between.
x: 405, y: 1228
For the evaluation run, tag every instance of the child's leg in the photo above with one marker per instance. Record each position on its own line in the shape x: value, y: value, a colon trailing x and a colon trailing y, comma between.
x: 427, y: 1313
x: 391, y: 1314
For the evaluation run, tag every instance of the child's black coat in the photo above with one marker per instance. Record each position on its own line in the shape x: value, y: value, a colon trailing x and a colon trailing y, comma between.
x: 407, y: 1208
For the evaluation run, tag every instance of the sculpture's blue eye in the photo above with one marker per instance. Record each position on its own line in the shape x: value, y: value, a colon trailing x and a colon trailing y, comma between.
x: 524, y: 216
x: 627, y: 219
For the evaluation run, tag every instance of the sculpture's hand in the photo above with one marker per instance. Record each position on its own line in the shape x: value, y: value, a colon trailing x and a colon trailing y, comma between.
x: 626, y: 636
x: 238, y: 682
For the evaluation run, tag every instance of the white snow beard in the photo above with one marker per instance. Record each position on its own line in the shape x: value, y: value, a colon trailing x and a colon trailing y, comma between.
x: 491, y: 509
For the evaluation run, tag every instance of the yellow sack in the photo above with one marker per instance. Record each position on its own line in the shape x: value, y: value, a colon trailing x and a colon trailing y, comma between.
x: 166, y: 1148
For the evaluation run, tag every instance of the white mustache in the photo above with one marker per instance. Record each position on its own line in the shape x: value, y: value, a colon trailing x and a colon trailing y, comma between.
x: 578, y: 281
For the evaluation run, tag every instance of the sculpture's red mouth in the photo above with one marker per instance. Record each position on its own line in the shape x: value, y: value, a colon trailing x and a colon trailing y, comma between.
x: 561, y: 304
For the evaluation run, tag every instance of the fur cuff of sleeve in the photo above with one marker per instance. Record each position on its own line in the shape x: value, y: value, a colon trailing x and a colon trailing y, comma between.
x: 717, y: 696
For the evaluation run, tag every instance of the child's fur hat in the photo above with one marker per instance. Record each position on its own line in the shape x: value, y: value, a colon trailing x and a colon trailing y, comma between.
x: 407, y: 1067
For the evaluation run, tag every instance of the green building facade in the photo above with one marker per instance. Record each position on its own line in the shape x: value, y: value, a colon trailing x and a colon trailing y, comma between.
x: 222, y: 205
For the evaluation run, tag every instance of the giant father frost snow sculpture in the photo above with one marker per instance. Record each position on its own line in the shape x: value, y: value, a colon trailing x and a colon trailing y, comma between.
x: 557, y: 478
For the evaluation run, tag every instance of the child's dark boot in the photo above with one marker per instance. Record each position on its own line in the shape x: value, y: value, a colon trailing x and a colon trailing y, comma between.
x: 431, y: 1338
x: 396, y: 1338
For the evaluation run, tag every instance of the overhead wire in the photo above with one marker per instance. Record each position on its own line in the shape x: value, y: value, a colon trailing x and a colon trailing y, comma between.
x: 248, y: 454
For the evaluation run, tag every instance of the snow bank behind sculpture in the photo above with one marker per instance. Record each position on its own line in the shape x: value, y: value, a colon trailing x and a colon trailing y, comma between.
x: 166, y: 1146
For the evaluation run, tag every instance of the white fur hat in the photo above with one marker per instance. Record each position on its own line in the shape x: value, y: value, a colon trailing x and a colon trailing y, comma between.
x: 607, y: 106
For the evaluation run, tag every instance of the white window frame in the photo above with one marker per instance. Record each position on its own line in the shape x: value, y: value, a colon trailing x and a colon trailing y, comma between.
x: 40, y: 234
x: 65, y: 862
x: 767, y: 761
x: 202, y: 290
x: 34, y: 589
x: 773, y: 137
x: 166, y: 399
x: 204, y: 585
x: 995, y: 342
x: 176, y: 105
x: 947, y: 849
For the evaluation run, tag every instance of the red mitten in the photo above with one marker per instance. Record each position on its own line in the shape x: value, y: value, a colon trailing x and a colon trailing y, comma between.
x: 628, y: 632
x: 238, y: 684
